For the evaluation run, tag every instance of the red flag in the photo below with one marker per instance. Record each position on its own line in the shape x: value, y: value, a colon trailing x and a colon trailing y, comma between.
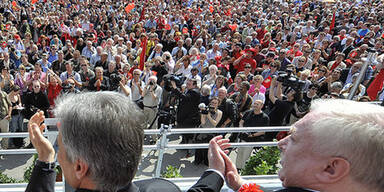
x: 211, y: 9
x: 376, y: 85
x: 142, y: 54
x: 332, y: 23
x: 129, y: 7
x: 143, y: 11
x: 14, y: 3
x: 33, y: 1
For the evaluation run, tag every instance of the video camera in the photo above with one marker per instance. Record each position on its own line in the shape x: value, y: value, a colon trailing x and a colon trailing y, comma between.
x: 114, y: 80
x: 206, y: 109
x: 167, y: 81
x: 289, y: 80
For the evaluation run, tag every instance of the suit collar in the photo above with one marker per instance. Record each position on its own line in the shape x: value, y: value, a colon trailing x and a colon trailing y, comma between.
x: 129, y: 188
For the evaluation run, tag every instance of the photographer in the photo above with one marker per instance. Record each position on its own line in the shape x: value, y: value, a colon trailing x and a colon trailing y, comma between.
x: 86, y: 74
x: 151, y: 99
x: 228, y: 107
x: 136, y: 85
x: 210, y: 117
x: 70, y: 74
x: 187, y: 112
x: 124, y: 88
x: 159, y: 68
x: 283, y: 105
x: 244, y: 102
x: 252, y: 118
x: 169, y: 62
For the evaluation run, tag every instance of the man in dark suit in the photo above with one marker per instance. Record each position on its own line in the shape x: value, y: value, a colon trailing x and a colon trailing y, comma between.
x: 187, y: 112
x: 337, y: 146
x: 100, y: 143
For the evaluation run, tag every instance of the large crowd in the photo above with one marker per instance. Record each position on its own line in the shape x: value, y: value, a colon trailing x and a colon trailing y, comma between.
x: 271, y: 57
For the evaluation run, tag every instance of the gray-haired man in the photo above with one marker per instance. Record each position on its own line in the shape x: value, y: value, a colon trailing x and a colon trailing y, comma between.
x: 100, y: 143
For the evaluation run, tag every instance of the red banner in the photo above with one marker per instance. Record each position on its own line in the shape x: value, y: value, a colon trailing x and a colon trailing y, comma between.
x: 142, y: 54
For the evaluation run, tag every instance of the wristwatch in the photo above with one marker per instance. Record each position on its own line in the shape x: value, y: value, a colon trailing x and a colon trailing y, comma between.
x: 45, y: 165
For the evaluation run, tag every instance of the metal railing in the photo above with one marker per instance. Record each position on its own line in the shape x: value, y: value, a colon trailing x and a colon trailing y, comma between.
x: 162, y: 144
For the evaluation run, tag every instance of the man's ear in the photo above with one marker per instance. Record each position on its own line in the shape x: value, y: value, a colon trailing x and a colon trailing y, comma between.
x: 334, y: 170
x: 81, y: 169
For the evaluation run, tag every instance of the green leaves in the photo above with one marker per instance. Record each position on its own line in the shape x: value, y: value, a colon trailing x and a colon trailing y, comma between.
x: 263, y: 162
x: 171, y: 172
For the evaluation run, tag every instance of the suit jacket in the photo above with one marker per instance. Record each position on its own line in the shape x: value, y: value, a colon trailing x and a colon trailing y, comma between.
x: 188, y: 111
x: 43, y: 180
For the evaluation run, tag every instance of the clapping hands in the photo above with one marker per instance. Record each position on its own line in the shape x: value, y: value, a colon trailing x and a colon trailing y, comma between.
x: 218, y: 160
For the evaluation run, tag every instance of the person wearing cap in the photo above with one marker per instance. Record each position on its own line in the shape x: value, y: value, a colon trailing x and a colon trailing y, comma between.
x: 19, y: 45
x: 103, y: 62
x: 246, y: 58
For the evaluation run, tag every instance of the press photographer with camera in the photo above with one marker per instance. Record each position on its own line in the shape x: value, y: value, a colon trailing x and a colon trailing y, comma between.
x: 209, y: 117
x: 70, y: 73
x: 243, y: 101
x: 254, y: 117
x: 187, y: 115
x: 159, y: 67
x: 151, y: 99
x: 282, y: 104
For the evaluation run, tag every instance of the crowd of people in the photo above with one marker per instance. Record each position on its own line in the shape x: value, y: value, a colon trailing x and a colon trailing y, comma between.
x: 252, y: 63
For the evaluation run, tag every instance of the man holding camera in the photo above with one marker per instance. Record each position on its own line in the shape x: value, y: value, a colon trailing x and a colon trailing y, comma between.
x: 244, y: 102
x: 151, y: 99
x: 188, y: 115
x: 283, y: 105
x: 70, y: 74
x: 252, y: 118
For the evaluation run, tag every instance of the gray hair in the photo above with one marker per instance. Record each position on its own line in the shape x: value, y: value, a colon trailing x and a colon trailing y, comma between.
x: 104, y: 129
x: 206, y: 90
x: 355, y: 131
x: 336, y: 85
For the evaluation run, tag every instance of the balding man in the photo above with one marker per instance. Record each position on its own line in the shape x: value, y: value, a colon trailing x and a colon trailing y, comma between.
x: 337, y: 146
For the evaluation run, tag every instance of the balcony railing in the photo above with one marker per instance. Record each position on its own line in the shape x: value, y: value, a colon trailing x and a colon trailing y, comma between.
x: 267, y: 181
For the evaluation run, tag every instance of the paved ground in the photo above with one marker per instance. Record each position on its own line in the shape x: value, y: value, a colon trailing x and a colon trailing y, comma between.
x: 15, y: 165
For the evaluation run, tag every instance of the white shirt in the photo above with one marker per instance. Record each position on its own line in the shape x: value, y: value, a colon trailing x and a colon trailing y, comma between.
x: 135, y: 94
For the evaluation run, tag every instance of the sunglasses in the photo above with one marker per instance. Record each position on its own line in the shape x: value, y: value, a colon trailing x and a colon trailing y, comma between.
x: 83, y: 65
x: 322, y: 71
x: 247, y: 67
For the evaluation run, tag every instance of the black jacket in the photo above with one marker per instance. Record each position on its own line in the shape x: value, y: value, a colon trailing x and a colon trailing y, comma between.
x: 43, y: 180
x: 34, y: 101
x: 188, y: 111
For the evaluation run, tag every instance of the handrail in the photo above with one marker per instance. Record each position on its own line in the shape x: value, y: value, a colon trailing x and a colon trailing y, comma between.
x: 162, y: 143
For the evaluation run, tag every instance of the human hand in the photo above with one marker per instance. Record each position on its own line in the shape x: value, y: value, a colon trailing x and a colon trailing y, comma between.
x: 44, y: 148
x: 217, y: 147
x: 98, y: 83
x: 232, y: 177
